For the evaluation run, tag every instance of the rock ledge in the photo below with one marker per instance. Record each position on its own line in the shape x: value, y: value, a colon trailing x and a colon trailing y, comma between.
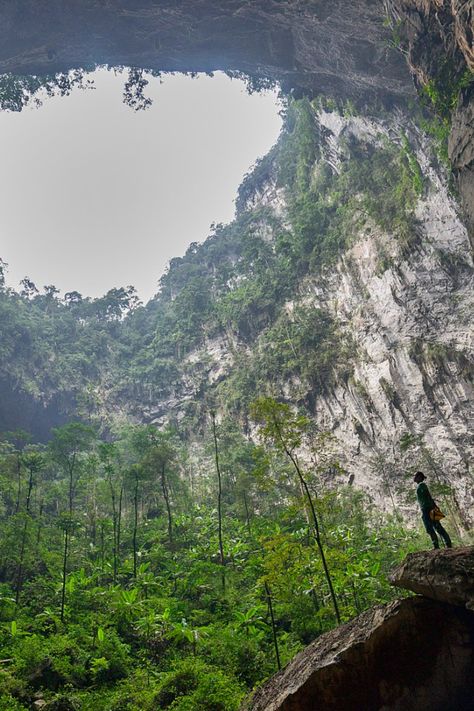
x: 443, y: 575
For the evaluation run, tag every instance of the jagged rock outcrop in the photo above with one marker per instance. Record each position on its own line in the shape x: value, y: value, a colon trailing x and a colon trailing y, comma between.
x: 409, y: 655
x: 461, y: 152
x: 447, y: 576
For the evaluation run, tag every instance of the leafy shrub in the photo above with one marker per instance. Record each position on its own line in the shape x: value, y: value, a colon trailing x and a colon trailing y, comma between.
x: 116, y: 659
x: 54, y: 661
x: 195, y: 686
x: 237, y: 654
x: 8, y: 703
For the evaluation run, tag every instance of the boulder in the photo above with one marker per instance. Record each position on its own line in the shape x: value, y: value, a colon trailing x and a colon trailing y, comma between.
x: 409, y: 655
x: 446, y: 575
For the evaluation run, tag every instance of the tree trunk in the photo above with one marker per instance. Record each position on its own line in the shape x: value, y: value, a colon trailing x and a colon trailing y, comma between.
x: 321, y: 550
x: 119, y: 522
x: 66, y: 532
x: 317, y: 535
x: 40, y: 522
x: 135, y: 527
x: 247, y: 515
x: 114, y: 525
x: 219, y: 501
x: 18, y: 471
x: 19, y: 577
x: 272, y: 617
x: 63, y: 589
x: 166, y: 497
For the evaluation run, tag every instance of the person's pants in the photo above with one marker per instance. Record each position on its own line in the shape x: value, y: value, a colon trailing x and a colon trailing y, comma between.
x: 434, y: 527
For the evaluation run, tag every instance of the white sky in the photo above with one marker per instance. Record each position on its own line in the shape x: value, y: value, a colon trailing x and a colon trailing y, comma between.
x: 94, y: 195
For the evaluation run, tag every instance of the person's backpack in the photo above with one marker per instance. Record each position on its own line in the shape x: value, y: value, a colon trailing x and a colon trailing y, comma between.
x: 436, y: 514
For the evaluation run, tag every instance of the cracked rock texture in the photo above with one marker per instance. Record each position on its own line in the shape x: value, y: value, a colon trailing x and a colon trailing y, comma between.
x: 445, y: 575
x: 437, y: 37
x: 413, y: 321
x: 409, y: 314
x: 461, y: 153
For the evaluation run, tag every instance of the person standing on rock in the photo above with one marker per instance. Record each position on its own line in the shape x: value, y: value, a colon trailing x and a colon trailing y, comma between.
x: 427, y: 504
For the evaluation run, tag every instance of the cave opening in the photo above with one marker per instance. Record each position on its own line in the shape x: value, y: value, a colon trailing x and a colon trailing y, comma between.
x: 97, y: 194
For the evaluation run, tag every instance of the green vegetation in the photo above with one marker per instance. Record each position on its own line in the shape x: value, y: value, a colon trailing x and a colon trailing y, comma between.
x: 177, y: 567
x: 111, y: 594
x: 53, y: 346
x: 381, y: 183
x: 16, y: 92
x: 440, y: 81
x: 440, y: 95
x: 442, y: 356
x: 300, y: 350
x: 443, y: 91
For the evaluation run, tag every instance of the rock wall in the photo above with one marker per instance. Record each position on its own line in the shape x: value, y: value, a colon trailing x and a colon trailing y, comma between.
x: 410, y: 655
x: 407, y: 310
x: 461, y: 153
x: 412, y: 323
x: 437, y: 37
x: 446, y: 577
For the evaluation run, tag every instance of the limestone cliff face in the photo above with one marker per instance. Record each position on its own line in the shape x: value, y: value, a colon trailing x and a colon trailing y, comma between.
x: 437, y: 37
x: 407, y: 310
x: 410, y: 314
x: 461, y: 152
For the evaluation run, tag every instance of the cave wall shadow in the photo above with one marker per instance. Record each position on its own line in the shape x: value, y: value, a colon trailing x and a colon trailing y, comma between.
x: 20, y: 410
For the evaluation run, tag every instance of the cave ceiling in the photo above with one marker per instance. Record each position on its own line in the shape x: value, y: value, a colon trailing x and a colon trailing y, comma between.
x: 338, y: 47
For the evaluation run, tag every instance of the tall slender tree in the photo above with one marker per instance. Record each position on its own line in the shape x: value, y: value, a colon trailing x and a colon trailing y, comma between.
x: 158, y: 459
x: 67, y: 446
x: 284, y: 429
x: 219, y: 498
x: 109, y: 457
x: 34, y: 462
